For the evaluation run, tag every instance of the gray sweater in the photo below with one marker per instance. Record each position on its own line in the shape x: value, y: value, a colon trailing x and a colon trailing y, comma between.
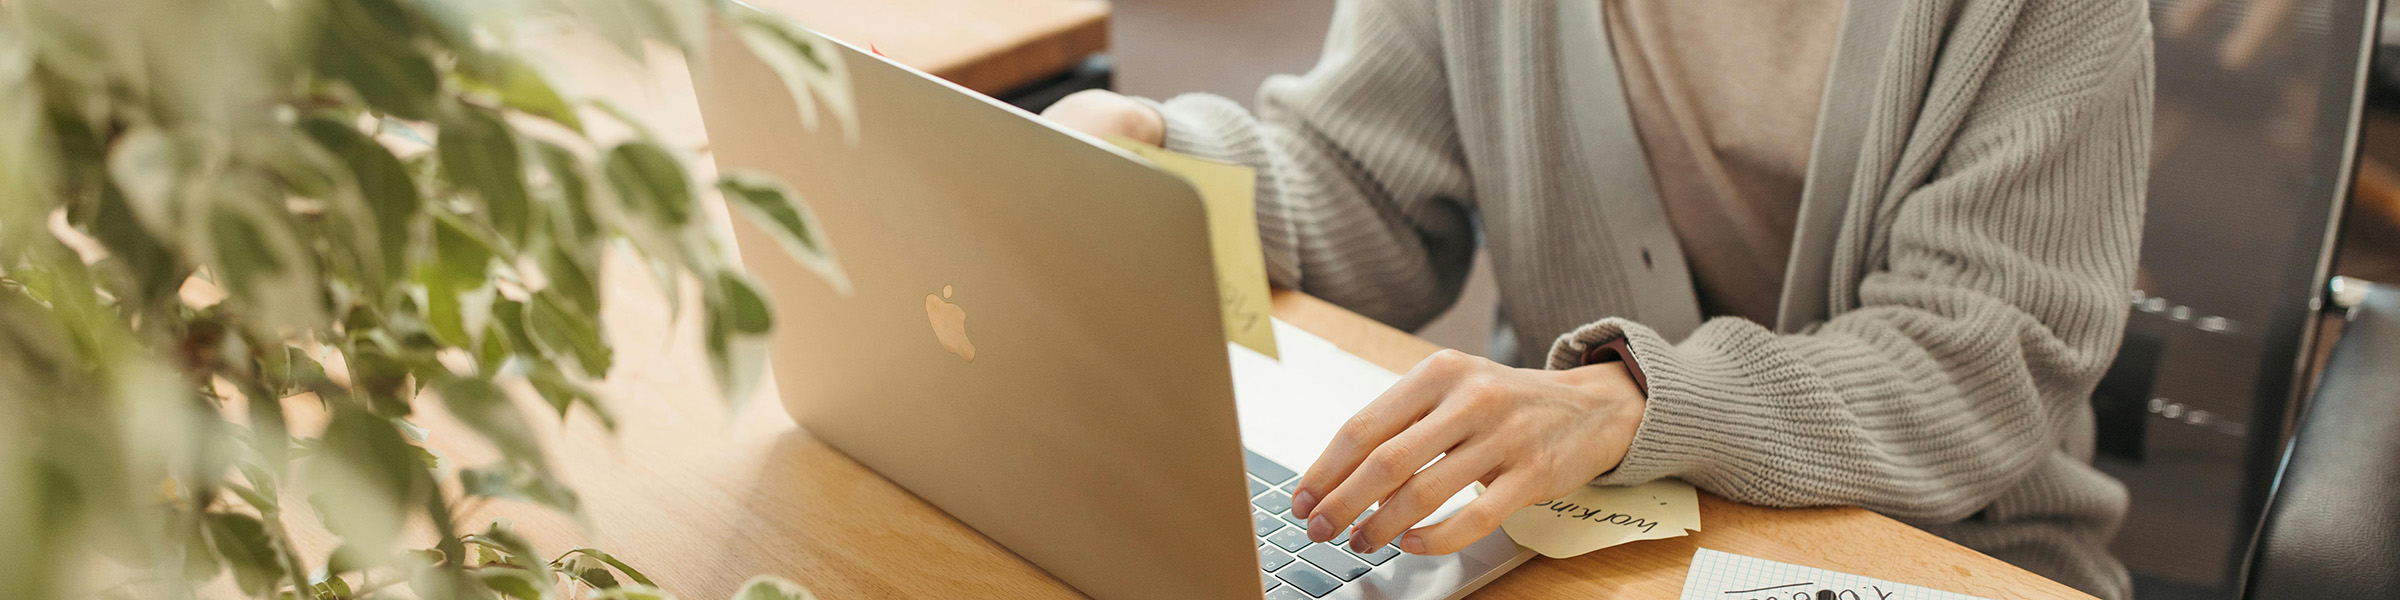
x: 1960, y: 291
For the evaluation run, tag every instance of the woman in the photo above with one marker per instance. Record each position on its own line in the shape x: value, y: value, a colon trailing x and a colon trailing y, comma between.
x: 1911, y: 225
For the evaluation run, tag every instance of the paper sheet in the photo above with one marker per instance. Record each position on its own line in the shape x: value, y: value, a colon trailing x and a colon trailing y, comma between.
x: 1595, y: 517
x: 1289, y: 410
x: 1230, y: 194
x: 1723, y: 576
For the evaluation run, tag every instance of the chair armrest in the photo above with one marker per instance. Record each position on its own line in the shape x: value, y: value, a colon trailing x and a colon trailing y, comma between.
x: 2332, y: 524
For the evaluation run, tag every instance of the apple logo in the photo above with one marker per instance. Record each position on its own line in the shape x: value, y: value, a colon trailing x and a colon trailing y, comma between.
x: 949, y: 324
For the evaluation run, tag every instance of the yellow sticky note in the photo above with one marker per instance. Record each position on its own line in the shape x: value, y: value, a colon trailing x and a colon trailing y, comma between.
x: 1595, y: 517
x: 1230, y: 194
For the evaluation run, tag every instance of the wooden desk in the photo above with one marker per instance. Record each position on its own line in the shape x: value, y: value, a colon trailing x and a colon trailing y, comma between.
x: 703, y: 503
x: 990, y: 46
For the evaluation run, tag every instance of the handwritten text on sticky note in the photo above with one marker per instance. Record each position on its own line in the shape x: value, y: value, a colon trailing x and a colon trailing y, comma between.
x: 1595, y: 517
x: 1230, y: 194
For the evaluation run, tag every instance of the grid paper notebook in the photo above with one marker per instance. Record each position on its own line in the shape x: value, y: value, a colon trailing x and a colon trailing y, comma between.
x: 1722, y: 576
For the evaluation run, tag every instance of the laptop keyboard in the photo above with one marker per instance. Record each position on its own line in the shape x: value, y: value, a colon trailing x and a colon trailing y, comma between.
x: 1289, y: 565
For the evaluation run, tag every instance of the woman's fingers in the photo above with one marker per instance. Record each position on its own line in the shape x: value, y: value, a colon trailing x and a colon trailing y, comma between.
x: 1389, y: 414
x: 1421, y: 495
x: 1499, y: 500
x: 1384, y: 469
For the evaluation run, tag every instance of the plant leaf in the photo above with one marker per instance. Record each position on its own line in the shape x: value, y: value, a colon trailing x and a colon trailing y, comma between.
x: 575, y: 219
x: 564, y: 393
x: 619, y: 565
x: 561, y: 330
x: 370, y: 45
x: 147, y: 167
x: 514, y: 583
x: 738, y: 319
x: 631, y: 592
x: 812, y: 69
x: 650, y: 181
x: 485, y: 408
x: 379, y: 379
x: 769, y: 587
x: 261, y: 261
x: 502, y: 481
x: 524, y: 88
x: 243, y: 541
x: 367, y: 479
x: 479, y: 151
x: 785, y: 217
x: 389, y: 191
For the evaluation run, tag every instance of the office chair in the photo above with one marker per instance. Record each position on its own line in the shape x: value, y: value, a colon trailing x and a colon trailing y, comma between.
x: 2332, y: 523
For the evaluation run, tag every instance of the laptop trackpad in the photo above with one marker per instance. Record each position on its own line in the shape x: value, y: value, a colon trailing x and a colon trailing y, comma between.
x: 1291, y: 409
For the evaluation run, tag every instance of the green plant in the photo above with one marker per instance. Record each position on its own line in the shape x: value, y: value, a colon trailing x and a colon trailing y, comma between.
x: 389, y: 198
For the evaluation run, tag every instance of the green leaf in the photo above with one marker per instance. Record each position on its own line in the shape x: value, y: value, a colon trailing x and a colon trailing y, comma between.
x: 153, y: 271
x: 199, y: 562
x: 561, y: 330
x: 370, y: 44
x: 244, y: 543
x: 463, y: 255
x: 812, y: 68
x: 480, y: 153
x: 614, y: 20
x: 682, y: 23
x: 261, y: 491
x: 635, y: 593
x: 458, y: 288
x: 260, y: 261
x: 785, y: 217
x: 745, y: 308
x: 503, y: 481
x: 599, y: 579
x: 379, y: 379
x: 650, y: 181
x: 514, y: 583
x: 368, y: 479
x: 619, y: 565
x: 148, y: 168
x: 574, y: 220
x: 735, y: 335
x: 525, y: 89
x: 573, y: 278
x: 333, y: 588
x: 564, y: 393
x: 485, y: 408
x: 769, y: 587
x: 389, y: 191
x: 445, y: 315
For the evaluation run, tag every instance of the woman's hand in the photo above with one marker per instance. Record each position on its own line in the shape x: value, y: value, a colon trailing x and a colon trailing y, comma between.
x: 1104, y: 113
x: 1529, y: 435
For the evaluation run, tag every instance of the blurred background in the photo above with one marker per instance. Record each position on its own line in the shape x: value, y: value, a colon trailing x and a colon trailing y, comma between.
x: 2268, y: 111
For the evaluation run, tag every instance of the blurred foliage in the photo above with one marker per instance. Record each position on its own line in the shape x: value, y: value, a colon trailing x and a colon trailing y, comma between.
x: 218, y: 214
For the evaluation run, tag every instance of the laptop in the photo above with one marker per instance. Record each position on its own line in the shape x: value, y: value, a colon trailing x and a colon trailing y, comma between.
x: 1030, y: 341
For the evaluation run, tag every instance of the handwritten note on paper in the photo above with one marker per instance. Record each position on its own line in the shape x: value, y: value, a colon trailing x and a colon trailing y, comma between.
x: 1230, y: 194
x: 1722, y: 576
x: 1595, y: 517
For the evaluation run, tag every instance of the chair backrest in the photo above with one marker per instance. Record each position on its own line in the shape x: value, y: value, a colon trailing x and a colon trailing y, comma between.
x: 2332, y: 525
x: 2258, y: 114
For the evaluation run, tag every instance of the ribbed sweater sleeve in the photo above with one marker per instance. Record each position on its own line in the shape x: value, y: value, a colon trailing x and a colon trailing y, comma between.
x: 1363, y: 194
x: 1991, y: 298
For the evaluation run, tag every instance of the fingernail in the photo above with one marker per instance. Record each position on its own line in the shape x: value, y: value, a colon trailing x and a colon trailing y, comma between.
x: 1358, y: 541
x: 1319, y: 529
x: 1302, y: 502
x: 1412, y: 544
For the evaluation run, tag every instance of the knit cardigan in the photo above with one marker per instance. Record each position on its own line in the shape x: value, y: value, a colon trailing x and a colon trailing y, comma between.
x: 1973, y: 291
